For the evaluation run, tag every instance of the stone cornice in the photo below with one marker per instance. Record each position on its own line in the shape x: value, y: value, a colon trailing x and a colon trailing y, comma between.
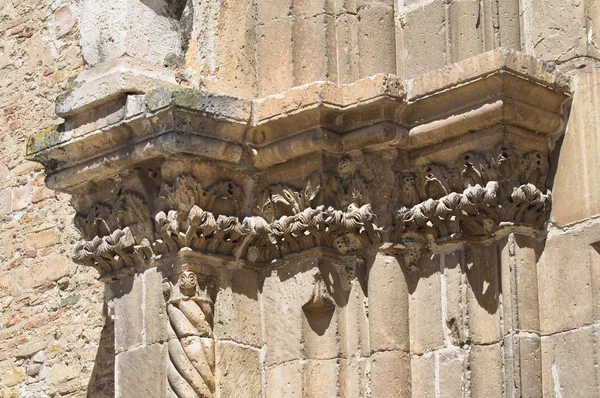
x: 496, y: 88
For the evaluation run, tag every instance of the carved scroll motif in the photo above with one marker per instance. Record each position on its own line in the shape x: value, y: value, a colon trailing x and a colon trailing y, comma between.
x: 191, y: 367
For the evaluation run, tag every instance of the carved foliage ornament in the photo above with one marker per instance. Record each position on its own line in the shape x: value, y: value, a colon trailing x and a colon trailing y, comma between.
x: 476, y: 197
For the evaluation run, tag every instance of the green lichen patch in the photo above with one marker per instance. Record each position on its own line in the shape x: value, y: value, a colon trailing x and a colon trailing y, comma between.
x: 158, y: 99
x: 44, y: 139
x: 216, y: 105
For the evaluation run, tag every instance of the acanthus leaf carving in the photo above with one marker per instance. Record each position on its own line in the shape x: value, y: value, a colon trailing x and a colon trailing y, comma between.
x: 472, y: 200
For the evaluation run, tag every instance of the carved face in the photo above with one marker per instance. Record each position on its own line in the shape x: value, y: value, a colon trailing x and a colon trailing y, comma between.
x: 346, y: 168
x: 408, y: 180
x: 188, y: 281
x: 346, y: 243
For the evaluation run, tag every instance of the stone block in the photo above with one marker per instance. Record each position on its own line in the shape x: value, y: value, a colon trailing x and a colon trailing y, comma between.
x: 50, y: 269
x: 284, y: 380
x: 268, y: 10
x: 142, y: 372
x: 519, y: 256
x: 238, y: 371
x: 486, y: 370
x: 12, y: 377
x: 425, y: 38
x: 563, y: 272
x: 568, y: 364
x: 320, y: 335
x: 237, y: 309
x: 425, y: 308
x: 130, y: 27
x: 354, y: 377
x: 388, y: 305
x: 452, y: 368
x: 347, y: 48
x: 523, y: 364
x: 320, y: 376
x: 312, y: 7
x: 21, y: 197
x: 423, y: 375
x: 61, y: 373
x: 509, y: 20
x: 577, y: 159
x: 314, y: 44
x: 127, y: 297
x: 45, y: 238
x: 390, y: 374
x: 224, y: 57
x: 274, y: 52
x: 555, y: 32
x: 5, y: 201
x: 454, y: 306
x: 376, y: 40
x: 6, y: 284
x: 353, y: 324
x: 286, y: 293
x: 465, y: 29
x: 483, y: 293
x: 156, y: 320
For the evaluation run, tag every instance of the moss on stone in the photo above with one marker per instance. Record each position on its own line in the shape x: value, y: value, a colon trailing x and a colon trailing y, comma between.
x: 43, y: 139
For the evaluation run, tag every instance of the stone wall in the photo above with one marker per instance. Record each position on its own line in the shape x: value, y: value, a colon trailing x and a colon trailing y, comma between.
x: 513, y: 315
x: 53, y: 338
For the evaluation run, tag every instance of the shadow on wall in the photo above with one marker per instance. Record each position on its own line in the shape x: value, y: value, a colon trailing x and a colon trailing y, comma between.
x: 170, y: 9
x: 102, y: 380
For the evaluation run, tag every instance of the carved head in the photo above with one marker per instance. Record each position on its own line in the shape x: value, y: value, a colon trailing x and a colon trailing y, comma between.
x: 346, y: 168
x: 347, y: 243
x: 408, y: 180
x: 188, y: 282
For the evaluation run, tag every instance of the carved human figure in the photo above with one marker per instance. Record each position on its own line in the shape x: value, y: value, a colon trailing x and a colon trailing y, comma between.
x: 409, y: 193
x: 191, y: 369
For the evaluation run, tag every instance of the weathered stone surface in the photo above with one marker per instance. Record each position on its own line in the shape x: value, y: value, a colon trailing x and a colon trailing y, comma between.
x: 566, y: 262
x: 237, y: 309
x: 452, y: 368
x: 127, y: 297
x: 284, y: 380
x: 424, y: 47
x: 423, y: 375
x: 320, y: 375
x: 519, y: 252
x: 577, y: 154
x: 483, y: 295
x: 522, y: 364
x: 109, y: 31
x: 286, y: 293
x: 239, y: 371
x: 155, y: 326
x: 390, y: 374
x: 425, y: 308
x: 150, y: 377
x: 388, y: 305
x: 486, y: 370
x: 568, y: 363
